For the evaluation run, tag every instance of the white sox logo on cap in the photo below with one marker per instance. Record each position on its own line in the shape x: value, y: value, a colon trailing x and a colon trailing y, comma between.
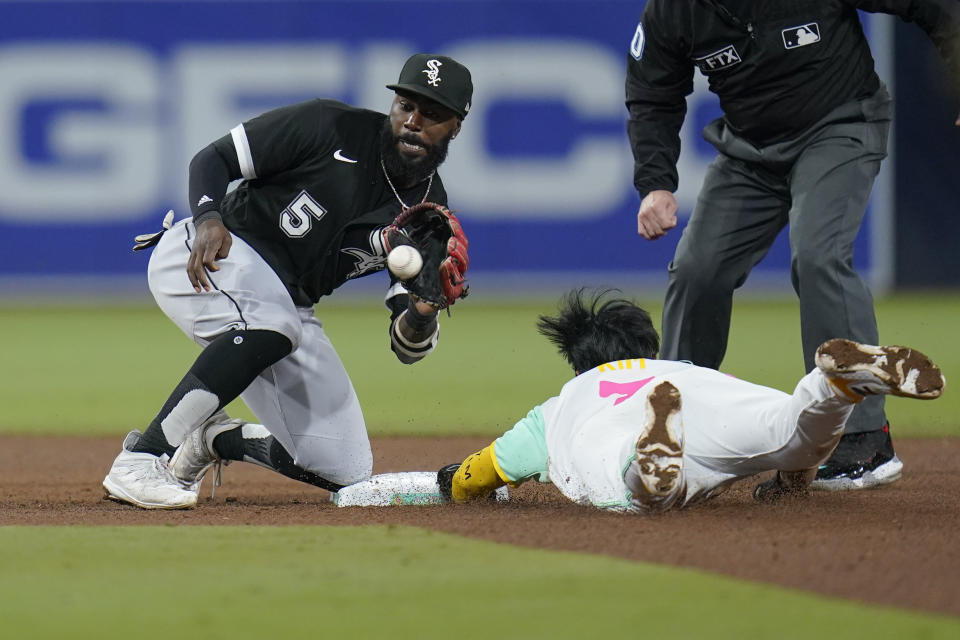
x: 433, y: 72
x: 421, y: 76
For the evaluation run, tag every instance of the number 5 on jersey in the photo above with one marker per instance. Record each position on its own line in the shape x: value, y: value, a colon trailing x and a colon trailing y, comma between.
x: 297, y: 219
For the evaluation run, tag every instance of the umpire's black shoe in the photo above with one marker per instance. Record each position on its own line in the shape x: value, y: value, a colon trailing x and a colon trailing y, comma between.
x: 861, y: 461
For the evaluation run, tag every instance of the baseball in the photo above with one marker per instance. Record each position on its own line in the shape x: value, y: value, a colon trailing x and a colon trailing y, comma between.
x: 404, y: 262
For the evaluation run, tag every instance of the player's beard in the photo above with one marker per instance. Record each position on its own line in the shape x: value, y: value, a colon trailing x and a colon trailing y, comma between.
x: 406, y: 171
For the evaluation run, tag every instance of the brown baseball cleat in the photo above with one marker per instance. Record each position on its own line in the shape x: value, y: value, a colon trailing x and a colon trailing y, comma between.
x: 655, y: 477
x: 859, y: 370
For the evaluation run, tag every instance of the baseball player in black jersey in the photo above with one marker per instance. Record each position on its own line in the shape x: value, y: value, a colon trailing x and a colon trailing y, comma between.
x: 321, y: 182
x: 804, y: 130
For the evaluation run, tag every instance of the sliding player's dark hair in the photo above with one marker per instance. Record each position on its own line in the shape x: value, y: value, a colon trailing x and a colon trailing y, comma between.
x: 590, y: 332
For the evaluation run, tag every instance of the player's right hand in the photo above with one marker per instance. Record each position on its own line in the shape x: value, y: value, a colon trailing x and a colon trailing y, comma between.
x: 657, y: 214
x: 213, y: 243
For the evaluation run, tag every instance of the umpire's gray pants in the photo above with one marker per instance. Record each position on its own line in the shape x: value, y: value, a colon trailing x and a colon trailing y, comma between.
x: 820, y: 183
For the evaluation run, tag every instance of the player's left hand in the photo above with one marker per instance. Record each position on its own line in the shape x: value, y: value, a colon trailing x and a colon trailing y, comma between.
x: 958, y: 121
x: 213, y: 243
x: 423, y: 308
x: 445, y: 480
x: 445, y: 483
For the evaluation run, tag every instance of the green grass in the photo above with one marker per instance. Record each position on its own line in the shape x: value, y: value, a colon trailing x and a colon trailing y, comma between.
x: 387, y: 582
x: 765, y: 348
x: 107, y: 369
x: 102, y: 370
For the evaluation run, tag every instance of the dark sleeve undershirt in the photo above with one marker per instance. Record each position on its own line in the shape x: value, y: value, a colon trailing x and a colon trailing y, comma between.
x: 212, y: 169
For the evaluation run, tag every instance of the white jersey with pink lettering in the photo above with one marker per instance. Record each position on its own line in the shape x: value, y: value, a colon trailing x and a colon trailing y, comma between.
x: 584, y: 439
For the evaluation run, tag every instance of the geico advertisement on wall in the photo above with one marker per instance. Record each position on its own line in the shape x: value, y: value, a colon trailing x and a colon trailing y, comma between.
x: 105, y: 131
x: 104, y: 104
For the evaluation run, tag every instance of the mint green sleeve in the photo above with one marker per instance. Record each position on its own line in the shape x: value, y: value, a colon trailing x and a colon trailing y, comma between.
x: 521, y: 453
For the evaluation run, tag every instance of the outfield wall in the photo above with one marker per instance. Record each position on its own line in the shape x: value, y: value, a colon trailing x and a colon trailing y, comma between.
x: 927, y: 192
x: 104, y: 103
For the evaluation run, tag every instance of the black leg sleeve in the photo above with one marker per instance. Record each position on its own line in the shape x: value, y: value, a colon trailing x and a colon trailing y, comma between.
x: 267, y: 452
x: 222, y: 371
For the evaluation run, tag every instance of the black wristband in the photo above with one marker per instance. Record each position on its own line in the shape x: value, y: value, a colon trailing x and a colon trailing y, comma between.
x: 211, y: 214
x: 416, y: 320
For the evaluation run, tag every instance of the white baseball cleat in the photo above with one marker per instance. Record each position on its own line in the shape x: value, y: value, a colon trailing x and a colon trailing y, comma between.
x: 144, y: 480
x: 860, y: 476
x: 864, y: 460
x: 858, y: 370
x: 655, y: 476
x: 196, y: 455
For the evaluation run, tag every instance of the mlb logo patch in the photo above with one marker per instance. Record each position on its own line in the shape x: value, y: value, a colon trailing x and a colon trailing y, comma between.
x: 801, y: 36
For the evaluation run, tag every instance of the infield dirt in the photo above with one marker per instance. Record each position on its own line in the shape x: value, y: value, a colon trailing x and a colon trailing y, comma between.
x: 895, y: 546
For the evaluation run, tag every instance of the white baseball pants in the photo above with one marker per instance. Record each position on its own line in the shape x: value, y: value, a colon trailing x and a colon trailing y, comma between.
x: 305, y: 400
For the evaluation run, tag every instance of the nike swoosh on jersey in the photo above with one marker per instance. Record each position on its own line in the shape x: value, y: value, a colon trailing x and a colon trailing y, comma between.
x: 337, y: 155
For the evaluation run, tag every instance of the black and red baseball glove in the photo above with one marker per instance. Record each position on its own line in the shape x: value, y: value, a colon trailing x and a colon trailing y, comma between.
x: 436, y: 233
